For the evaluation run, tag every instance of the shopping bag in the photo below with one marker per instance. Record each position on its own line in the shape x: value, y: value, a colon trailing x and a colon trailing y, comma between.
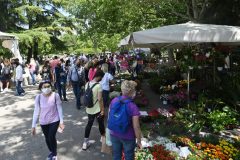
x: 105, y: 148
x: 108, y: 138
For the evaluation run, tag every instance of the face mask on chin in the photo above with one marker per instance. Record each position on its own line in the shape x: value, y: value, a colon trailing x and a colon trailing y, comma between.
x: 46, y: 91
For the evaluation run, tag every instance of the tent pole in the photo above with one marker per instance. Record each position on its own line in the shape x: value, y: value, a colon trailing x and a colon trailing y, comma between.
x: 188, y: 87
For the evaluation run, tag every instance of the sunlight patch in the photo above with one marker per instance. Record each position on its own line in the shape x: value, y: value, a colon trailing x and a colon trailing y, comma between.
x: 85, y: 117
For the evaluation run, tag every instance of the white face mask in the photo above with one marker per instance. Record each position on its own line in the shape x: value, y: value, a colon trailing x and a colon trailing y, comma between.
x: 46, y: 90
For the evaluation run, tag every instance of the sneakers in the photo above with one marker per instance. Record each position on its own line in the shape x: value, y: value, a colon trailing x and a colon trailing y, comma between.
x: 22, y: 94
x: 85, y: 145
x: 5, y: 90
x: 65, y: 99
x: 50, y: 156
x: 54, y: 158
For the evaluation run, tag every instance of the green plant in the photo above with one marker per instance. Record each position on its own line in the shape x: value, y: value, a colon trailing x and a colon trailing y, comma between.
x: 168, y: 127
x: 148, y: 75
x: 194, y: 116
x: 219, y: 119
x: 213, y: 139
x: 155, y: 83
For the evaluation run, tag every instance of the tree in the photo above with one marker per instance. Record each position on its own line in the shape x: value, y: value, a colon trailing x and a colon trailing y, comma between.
x: 38, y: 24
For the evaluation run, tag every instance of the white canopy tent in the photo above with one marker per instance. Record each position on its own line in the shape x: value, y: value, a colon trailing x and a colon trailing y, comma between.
x: 183, y: 34
x: 11, y: 42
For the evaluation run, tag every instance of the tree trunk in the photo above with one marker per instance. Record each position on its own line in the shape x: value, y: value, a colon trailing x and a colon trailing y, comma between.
x: 195, y: 10
x: 35, y: 50
x: 29, y: 54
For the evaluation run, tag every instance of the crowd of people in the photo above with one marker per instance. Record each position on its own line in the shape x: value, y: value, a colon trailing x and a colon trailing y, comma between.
x: 90, y: 78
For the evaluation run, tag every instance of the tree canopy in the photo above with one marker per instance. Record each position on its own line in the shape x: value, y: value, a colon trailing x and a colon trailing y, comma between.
x: 77, y: 26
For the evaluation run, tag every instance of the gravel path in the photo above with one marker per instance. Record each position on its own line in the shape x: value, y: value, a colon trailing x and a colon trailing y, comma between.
x: 16, y: 142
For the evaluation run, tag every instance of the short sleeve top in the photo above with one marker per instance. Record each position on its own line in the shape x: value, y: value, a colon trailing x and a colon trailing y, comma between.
x: 96, y: 90
x: 133, y: 110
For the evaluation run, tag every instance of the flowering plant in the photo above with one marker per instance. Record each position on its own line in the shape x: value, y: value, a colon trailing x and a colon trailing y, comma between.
x: 143, y: 154
x: 159, y: 153
x: 183, y: 83
x: 180, y: 98
x: 186, y: 141
x: 223, y: 151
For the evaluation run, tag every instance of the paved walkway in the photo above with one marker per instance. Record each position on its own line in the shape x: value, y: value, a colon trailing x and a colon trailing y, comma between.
x: 16, y: 142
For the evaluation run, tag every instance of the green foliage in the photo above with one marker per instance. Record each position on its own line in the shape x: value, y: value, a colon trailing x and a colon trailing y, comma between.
x: 5, y: 53
x: 219, y: 119
x: 197, y: 116
x: 147, y: 75
x: 212, y: 139
x: 194, y: 119
x: 100, y: 24
x: 155, y: 84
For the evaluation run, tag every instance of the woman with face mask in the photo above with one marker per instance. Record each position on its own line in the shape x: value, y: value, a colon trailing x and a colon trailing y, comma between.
x: 48, y: 108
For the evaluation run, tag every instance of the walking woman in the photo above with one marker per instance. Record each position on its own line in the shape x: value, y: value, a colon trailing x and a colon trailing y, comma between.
x: 48, y: 108
x: 97, y: 111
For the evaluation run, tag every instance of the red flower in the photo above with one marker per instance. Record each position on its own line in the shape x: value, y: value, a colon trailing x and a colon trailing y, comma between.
x: 159, y: 153
x: 153, y: 113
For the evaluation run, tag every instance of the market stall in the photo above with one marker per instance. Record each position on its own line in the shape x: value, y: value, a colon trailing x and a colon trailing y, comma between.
x: 194, y: 130
x: 183, y: 34
x: 11, y: 42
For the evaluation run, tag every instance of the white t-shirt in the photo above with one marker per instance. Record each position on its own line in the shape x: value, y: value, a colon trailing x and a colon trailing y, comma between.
x: 105, y: 81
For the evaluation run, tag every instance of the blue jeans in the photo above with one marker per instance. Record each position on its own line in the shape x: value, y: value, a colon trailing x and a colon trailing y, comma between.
x: 105, y: 95
x: 19, y: 89
x: 118, y: 145
x: 33, y: 76
x: 77, y: 92
x: 61, y: 90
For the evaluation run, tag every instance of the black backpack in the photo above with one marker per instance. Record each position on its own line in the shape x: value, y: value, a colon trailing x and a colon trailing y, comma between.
x: 88, y: 96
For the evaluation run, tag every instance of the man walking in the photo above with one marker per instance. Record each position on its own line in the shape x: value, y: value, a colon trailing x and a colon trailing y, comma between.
x: 77, y: 78
x: 19, y: 78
